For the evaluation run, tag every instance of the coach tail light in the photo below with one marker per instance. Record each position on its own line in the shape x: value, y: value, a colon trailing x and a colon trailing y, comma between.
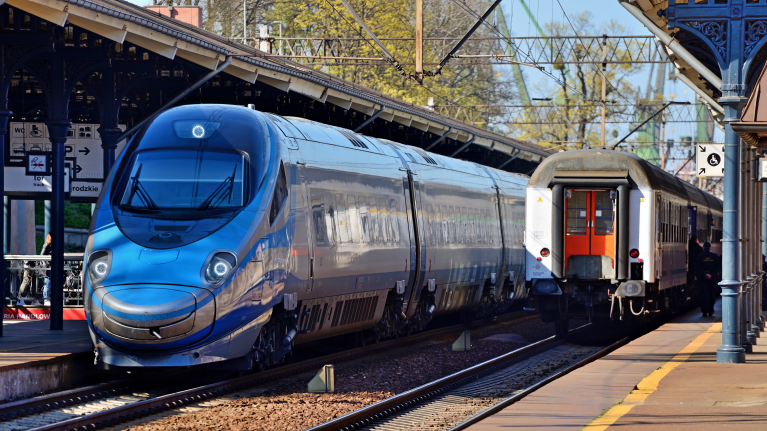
x: 634, y: 253
x: 219, y: 267
x: 99, y: 266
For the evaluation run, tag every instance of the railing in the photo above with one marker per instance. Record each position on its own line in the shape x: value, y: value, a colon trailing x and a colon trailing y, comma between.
x: 32, y: 269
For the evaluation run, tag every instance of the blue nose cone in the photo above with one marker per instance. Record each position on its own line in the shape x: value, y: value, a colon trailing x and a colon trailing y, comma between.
x: 142, y: 308
x: 154, y: 316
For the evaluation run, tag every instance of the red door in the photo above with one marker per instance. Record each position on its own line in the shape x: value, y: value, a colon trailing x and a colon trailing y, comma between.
x: 589, y: 224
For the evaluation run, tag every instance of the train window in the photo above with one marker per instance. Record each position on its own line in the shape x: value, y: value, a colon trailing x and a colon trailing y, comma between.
x: 342, y: 219
x: 375, y: 222
x: 364, y: 219
x: 279, y: 197
x: 445, y: 225
x: 354, y: 229
x: 464, y: 225
x: 318, y: 219
x: 394, y: 215
x: 331, y: 218
x: 577, y: 206
x: 603, y: 214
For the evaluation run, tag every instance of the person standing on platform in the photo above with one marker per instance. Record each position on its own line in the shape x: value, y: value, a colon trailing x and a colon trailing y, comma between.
x: 46, y: 251
x: 693, y: 250
x: 708, y: 268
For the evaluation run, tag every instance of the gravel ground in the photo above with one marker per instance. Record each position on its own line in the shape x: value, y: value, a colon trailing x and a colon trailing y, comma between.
x: 287, y: 405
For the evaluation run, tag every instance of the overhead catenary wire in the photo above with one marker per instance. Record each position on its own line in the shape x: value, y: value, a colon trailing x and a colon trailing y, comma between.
x: 527, y: 56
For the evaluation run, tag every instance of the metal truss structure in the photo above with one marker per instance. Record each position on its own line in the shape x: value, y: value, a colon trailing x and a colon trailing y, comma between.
x: 559, y: 114
x: 555, y: 50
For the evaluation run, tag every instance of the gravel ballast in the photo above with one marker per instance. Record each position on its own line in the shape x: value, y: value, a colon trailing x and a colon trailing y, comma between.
x: 287, y: 406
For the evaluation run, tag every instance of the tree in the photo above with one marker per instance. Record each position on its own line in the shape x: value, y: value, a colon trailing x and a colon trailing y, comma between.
x: 456, y: 84
x: 578, y: 97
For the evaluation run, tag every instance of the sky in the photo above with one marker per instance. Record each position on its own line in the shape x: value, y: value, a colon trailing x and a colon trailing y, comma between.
x: 603, y: 11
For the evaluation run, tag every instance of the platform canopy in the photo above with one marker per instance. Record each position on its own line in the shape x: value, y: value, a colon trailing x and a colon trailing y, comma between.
x: 752, y: 126
x: 131, y: 25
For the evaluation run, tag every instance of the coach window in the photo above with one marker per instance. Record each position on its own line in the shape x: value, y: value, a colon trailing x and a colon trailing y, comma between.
x: 279, y: 197
x: 603, y: 214
x: 577, y: 206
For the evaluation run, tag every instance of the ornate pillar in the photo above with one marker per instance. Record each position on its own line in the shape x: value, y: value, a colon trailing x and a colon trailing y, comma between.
x: 731, y: 350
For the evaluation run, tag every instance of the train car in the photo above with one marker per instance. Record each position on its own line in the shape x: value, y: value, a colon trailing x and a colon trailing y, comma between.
x: 224, y: 236
x: 607, y: 234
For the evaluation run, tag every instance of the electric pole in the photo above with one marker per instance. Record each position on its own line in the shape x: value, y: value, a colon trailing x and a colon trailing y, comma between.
x: 419, y: 41
x: 604, y: 86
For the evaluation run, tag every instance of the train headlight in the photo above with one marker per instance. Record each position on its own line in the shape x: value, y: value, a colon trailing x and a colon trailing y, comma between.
x: 545, y: 252
x: 219, y: 267
x: 99, y: 266
x: 634, y: 253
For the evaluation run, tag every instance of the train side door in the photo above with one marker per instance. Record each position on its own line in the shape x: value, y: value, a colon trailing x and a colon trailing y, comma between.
x: 658, y: 235
x: 303, y: 247
x: 310, y: 240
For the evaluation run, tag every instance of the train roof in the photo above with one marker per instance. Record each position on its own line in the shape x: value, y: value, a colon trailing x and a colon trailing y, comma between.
x: 617, y: 164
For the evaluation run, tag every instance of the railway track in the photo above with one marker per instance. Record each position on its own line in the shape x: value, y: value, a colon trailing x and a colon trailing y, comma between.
x: 111, y: 403
x: 468, y: 396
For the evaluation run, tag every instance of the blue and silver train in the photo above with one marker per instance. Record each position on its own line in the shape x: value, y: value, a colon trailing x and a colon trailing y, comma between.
x: 225, y: 236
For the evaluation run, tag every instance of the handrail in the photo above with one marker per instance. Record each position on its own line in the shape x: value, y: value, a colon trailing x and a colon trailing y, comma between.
x: 67, y: 256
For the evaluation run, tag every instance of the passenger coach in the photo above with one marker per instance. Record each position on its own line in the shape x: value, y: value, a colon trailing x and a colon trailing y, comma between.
x: 607, y: 235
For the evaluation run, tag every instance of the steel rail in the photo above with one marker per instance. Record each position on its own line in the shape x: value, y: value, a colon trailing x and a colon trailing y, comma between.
x: 518, y: 396
x: 114, y: 416
x: 367, y: 415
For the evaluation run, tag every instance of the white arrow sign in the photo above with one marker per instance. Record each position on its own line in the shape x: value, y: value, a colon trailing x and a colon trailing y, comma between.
x: 709, y: 160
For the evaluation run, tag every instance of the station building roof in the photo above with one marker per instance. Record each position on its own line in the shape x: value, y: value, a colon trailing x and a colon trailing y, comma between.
x: 121, y: 21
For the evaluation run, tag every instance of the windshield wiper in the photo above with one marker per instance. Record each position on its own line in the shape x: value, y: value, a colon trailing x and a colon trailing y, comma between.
x: 136, y: 189
x: 221, y: 192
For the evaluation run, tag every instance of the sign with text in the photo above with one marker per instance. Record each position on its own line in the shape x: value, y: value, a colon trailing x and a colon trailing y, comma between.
x: 709, y: 160
x: 83, y: 142
x: 17, y: 183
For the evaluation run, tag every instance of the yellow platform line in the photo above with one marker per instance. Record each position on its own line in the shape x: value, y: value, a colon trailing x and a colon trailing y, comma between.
x: 649, y: 384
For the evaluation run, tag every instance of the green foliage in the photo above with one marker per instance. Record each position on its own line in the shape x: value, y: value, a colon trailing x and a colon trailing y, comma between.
x: 584, y: 88
x: 456, y: 84
x: 75, y: 215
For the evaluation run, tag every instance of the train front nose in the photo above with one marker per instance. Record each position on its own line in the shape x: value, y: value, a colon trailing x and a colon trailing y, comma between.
x: 153, y: 317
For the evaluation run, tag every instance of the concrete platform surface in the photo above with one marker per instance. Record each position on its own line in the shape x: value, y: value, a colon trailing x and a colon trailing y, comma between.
x: 34, y: 359
x: 667, y: 379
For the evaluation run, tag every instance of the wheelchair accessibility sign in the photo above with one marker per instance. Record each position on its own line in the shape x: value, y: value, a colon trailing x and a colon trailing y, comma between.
x: 709, y: 160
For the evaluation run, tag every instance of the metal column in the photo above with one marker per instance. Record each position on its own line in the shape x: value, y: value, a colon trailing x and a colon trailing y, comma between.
x: 4, y: 116
x: 730, y: 351
x: 108, y: 129
x: 745, y: 334
x: 58, y: 125
x: 753, y: 243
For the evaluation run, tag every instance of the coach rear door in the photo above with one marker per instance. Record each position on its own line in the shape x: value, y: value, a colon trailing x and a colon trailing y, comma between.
x: 590, y: 233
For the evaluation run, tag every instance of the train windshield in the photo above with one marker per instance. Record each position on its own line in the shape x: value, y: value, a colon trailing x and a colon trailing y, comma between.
x: 185, y: 179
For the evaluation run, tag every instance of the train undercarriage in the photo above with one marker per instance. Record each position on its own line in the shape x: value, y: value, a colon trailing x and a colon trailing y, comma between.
x: 600, y: 301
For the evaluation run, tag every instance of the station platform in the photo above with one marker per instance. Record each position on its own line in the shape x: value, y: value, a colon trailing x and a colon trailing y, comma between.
x: 35, y: 360
x: 667, y: 379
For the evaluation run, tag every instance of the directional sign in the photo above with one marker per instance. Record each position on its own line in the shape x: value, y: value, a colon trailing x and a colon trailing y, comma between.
x: 709, y: 161
x: 83, y: 142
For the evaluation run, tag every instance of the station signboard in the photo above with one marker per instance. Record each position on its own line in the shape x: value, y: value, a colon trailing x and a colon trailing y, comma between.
x: 30, y: 148
x: 709, y: 160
